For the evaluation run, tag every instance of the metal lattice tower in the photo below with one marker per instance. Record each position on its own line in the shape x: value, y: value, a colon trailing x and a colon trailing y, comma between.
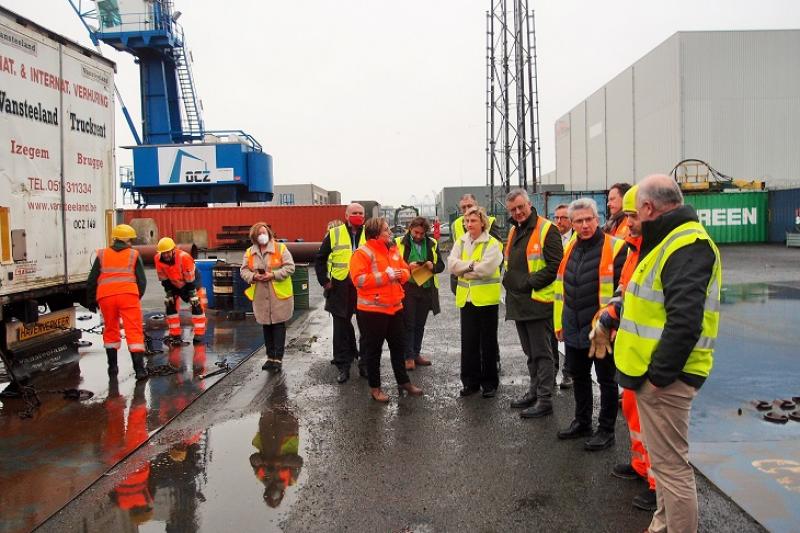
x: 512, y: 101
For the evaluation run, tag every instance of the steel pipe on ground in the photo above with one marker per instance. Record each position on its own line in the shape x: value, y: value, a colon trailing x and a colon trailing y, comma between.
x: 148, y: 252
x: 303, y: 252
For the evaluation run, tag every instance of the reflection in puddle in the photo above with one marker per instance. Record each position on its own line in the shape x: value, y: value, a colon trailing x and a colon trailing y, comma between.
x: 166, y: 493
x: 48, y: 459
x: 277, y: 462
x: 759, y: 292
x: 166, y: 488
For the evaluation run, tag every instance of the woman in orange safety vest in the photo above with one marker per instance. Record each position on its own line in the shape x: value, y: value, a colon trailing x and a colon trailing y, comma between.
x: 378, y: 273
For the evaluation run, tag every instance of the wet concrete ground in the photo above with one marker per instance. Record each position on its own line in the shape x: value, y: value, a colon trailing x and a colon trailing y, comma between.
x: 754, y: 461
x: 297, y: 452
x: 66, y: 445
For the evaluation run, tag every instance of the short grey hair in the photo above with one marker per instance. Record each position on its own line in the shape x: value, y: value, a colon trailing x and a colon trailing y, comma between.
x: 468, y: 196
x: 561, y: 206
x: 514, y: 193
x: 582, y: 203
x: 664, y: 194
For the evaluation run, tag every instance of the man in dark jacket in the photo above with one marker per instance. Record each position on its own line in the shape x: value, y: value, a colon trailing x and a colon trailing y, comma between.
x: 332, y: 266
x: 665, y: 343
x: 529, y: 297
x: 587, y: 278
x: 419, y: 251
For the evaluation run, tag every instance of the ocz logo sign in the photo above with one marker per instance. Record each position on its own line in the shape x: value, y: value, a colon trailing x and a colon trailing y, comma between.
x: 197, y: 176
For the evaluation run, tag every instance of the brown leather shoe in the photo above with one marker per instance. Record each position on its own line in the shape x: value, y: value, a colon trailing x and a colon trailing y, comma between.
x: 421, y: 360
x: 410, y: 364
x: 410, y: 388
x: 378, y: 395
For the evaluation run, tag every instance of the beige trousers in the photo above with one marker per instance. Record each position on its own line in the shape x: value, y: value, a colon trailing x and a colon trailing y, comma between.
x: 664, y: 414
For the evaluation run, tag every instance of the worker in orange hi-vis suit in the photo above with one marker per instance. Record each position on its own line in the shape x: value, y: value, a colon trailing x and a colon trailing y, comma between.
x: 177, y: 274
x: 116, y: 284
x: 608, y: 320
x: 132, y: 494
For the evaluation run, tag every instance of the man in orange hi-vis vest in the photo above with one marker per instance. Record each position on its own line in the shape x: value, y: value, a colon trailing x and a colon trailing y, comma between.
x: 617, y: 223
x: 639, y: 465
x: 116, y: 284
x: 177, y: 274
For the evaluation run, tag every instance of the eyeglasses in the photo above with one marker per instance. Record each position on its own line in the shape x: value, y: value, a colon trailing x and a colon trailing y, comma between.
x: 561, y: 218
x: 582, y: 221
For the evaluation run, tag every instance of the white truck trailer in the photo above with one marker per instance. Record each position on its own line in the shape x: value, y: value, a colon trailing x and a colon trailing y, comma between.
x: 56, y: 187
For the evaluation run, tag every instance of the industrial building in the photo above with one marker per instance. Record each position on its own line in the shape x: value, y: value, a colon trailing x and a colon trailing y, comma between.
x: 730, y: 98
x: 304, y: 194
x: 447, y: 199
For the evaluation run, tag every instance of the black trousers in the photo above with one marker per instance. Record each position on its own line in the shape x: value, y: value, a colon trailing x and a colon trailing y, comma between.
x: 479, y: 346
x: 579, y: 366
x: 416, y: 306
x: 275, y: 339
x: 379, y: 327
x: 535, y: 337
x: 344, y: 341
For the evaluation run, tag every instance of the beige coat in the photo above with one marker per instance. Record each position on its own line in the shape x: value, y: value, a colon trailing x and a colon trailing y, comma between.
x: 267, y: 307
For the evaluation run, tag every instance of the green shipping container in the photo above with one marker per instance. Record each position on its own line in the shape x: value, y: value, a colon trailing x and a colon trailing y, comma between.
x: 732, y: 217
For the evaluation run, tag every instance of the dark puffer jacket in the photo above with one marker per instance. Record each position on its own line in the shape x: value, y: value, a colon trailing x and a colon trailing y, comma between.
x: 581, y: 286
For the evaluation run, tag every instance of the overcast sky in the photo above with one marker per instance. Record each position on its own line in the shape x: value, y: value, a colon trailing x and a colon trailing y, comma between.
x: 381, y: 100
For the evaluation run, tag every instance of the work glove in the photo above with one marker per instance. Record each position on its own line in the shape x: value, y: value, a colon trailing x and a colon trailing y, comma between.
x: 600, y: 339
x: 392, y: 273
x: 187, y: 293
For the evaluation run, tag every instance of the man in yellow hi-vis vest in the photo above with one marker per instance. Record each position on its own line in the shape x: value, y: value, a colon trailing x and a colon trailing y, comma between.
x: 332, y: 266
x: 665, y: 343
x: 562, y: 222
x: 533, y: 252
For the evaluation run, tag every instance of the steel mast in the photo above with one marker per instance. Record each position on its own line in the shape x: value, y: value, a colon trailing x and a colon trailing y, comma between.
x: 512, y: 114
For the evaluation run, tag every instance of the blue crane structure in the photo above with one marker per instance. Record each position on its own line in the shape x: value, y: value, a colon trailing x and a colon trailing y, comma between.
x: 176, y: 161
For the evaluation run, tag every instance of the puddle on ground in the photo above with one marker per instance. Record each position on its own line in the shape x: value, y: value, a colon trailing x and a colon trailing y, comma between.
x: 65, y: 445
x: 755, y: 358
x: 223, y: 477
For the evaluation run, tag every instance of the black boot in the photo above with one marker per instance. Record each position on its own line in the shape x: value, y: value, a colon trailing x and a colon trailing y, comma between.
x: 138, y: 366
x: 111, y: 357
x: 173, y: 340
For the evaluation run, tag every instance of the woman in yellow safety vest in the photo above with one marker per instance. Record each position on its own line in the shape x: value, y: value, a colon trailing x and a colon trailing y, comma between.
x: 475, y: 259
x: 268, y: 267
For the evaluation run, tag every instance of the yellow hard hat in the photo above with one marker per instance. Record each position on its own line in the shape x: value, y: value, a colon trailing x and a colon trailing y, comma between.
x: 165, y: 245
x: 629, y: 200
x: 178, y: 454
x: 123, y: 231
x: 141, y: 515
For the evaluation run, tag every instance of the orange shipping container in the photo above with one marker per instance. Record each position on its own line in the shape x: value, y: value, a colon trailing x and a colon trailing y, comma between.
x: 307, y: 222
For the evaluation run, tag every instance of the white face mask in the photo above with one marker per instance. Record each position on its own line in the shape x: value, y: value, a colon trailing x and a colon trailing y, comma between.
x: 263, y: 239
